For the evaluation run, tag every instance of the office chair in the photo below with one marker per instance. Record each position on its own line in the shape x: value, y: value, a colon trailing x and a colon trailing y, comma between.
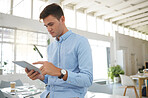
x: 128, y: 82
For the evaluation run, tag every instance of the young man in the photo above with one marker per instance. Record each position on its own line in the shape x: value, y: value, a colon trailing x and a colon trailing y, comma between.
x: 69, y: 70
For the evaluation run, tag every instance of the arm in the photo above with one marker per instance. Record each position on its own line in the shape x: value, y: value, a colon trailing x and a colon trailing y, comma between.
x: 85, y: 77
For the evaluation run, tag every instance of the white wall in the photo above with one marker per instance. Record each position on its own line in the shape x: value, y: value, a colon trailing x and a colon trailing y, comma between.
x: 132, y: 46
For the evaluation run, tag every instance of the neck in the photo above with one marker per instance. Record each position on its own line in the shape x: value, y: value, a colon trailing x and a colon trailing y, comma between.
x: 64, y: 31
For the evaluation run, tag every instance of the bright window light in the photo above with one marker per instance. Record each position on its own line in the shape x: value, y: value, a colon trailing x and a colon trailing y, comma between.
x: 69, y: 17
x: 147, y: 37
x: 131, y: 33
x: 99, y: 55
x: 108, y: 28
x: 38, y: 6
x: 100, y: 26
x: 81, y: 21
x: 5, y: 6
x: 91, y: 21
x: 143, y: 36
x: 120, y: 29
x: 135, y: 34
x: 22, y: 8
x: 139, y: 35
x: 126, y: 31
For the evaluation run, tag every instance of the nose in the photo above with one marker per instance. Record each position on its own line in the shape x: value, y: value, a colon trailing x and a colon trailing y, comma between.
x: 49, y: 29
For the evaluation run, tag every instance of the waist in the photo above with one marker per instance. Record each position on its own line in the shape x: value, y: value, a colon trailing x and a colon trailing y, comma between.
x: 65, y: 92
x: 65, y: 88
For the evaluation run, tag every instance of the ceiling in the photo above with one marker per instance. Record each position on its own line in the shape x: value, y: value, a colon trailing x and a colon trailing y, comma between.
x: 132, y: 14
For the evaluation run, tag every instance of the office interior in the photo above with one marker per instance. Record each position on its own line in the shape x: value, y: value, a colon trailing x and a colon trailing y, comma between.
x: 117, y: 31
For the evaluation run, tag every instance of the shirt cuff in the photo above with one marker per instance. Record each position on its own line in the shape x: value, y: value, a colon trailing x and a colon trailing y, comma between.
x: 45, y: 79
x: 71, y: 77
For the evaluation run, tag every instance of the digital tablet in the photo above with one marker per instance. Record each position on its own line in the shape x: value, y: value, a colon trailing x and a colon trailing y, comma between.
x: 25, y: 64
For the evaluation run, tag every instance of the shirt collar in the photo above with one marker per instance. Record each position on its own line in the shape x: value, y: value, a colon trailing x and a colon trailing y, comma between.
x: 65, y: 36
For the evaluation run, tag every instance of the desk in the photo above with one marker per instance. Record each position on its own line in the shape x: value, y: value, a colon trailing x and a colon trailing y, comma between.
x: 103, y: 95
x: 22, y: 91
x: 140, y: 79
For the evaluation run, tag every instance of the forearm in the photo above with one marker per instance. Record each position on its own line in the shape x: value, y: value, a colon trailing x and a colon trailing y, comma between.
x: 82, y: 79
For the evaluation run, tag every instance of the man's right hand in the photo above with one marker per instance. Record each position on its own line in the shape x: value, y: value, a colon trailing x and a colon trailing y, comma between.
x: 34, y: 74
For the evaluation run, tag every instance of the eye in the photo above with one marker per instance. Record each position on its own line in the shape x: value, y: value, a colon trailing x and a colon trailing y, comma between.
x: 50, y: 24
x: 45, y: 25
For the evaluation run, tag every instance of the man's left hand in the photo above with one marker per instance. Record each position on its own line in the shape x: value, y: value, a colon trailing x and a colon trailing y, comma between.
x: 49, y: 68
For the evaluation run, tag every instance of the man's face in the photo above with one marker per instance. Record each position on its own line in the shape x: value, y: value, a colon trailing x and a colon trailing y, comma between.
x: 54, y: 26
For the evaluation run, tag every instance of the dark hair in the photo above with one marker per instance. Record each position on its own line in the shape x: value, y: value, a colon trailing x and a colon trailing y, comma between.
x: 52, y: 9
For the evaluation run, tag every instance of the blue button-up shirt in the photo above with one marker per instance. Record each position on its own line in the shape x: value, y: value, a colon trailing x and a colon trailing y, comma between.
x: 73, y: 53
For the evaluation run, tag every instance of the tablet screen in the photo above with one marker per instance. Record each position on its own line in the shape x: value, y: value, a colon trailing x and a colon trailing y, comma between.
x: 25, y: 64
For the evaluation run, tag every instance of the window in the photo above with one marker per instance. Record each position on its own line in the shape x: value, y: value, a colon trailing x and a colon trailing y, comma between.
x: 135, y: 34
x: 1, y: 31
x: 8, y: 36
x: 24, y: 47
x: 91, y: 21
x: 21, y: 49
x: 22, y: 8
x: 81, y: 21
x: 8, y: 56
x: 140, y: 35
x: 38, y: 6
x: 147, y: 37
x: 131, y: 33
x: 5, y: 6
x: 100, y: 26
x: 120, y: 29
x: 143, y: 36
x: 99, y: 55
x: 42, y: 39
x: 126, y: 31
x: 21, y: 37
x: 115, y: 27
x: 108, y: 28
x: 7, y: 49
x: 69, y: 17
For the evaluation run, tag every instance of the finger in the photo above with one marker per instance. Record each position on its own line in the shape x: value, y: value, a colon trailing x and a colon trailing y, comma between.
x: 41, y: 68
x: 30, y: 73
x: 43, y: 72
x: 39, y: 62
x: 34, y: 75
x: 26, y: 70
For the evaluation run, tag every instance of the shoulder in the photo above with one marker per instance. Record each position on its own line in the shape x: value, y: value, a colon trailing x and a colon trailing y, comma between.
x: 81, y: 42
x: 79, y: 38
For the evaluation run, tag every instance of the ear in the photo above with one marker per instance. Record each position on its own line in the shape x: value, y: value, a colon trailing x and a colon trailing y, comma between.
x: 62, y: 19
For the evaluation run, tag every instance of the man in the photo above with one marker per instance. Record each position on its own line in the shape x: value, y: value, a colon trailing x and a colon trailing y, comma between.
x: 68, y: 71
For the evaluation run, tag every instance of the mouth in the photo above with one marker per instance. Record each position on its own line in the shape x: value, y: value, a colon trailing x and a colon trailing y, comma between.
x: 51, y: 32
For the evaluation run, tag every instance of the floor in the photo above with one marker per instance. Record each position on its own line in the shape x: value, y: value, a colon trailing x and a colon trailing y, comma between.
x: 118, y: 90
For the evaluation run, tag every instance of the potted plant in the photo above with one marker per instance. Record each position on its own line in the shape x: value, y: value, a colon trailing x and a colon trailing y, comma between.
x: 2, y: 67
x: 114, y: 72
